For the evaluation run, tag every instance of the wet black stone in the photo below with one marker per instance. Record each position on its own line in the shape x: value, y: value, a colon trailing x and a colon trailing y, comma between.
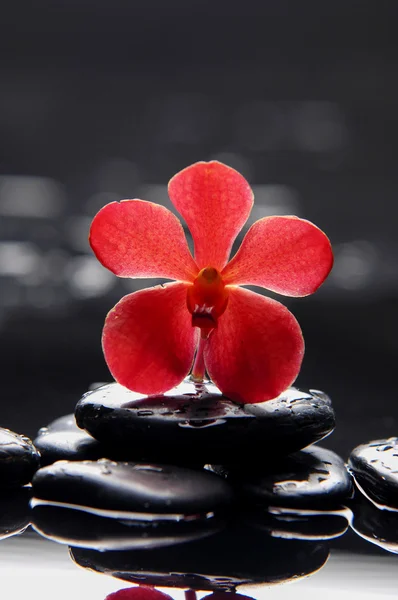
x: 14, y: 511
x: 132, y: 487
x: 83, y: 529
x: 64, y: 423
x: 375, y: 470
x: 19, y: 459
x: 64, y: 440
x: 233, y: 557
x: 314, y: 478
x: 380, y: 527
x: 203, y: 426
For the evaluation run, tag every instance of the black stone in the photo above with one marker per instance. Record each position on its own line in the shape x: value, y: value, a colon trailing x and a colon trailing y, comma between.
x: 375, y: 525
x: 200, y: 425
x: 314, y: 478
x: 64, y: 423
x: 14, y: 511
x: 375, y: 470
x: 19, y: 459
x: 132, y: 488
x: 233, y: 557
x: 64, y: 440
x: 83, y: 529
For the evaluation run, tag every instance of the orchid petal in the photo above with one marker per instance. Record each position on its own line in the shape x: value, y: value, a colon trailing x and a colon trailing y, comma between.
x: 148, y: 339
x: 135, y: 238
x: 215, y: 202
x: 287, y: 255
x: 141, y: 592
x: 257, y: 349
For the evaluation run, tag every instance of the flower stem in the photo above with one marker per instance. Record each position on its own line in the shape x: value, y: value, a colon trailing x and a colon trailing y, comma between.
x: 198, y: 369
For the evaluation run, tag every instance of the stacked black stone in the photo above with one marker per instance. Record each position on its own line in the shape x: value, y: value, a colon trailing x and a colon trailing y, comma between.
x: 197, y: 425
x: 130, y: 472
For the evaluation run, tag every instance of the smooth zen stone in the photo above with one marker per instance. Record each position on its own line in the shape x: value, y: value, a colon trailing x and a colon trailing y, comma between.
x: 314, y: 478
x: 86, y: 530
x: 375, y: 469
x: 64, y: 440
x: 200, y: 425
x: 375, y: 525
x: 132, y: 489
x: 19, y: 459
x: 233, y: 557
x: 64, y: 423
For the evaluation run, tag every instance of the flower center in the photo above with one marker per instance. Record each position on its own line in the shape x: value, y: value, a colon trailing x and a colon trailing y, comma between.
x: 207, y: 299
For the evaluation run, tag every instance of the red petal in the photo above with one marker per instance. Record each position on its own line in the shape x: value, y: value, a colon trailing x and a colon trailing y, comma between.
x: 287, y: 255
x: 215, y: 202
x: 148, y: 339
x: 257, y: 349
x: 138, y: 593
x: 135, y: 238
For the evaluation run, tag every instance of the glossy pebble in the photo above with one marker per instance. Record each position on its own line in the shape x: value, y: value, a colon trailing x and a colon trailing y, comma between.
x: 64, y: 440
x: 19, y: 459
x: 132, y: 489
x: 375, y: 470
x: 64, y: 423
x: 199, y: 425
x: 314, y: 478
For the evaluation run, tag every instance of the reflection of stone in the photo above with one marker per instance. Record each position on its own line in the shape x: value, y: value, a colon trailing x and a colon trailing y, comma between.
x: 14, y: 511
x: 83, y: 529
x: 224, y: 561
x: 375, y: 470
x: 230, y: 595
x: 375, y: 525
x: 185, y: 426
x: 299, y: 525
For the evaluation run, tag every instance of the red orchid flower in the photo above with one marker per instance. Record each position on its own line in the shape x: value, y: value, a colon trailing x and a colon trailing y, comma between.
x: 251, y: 346
x: 140, y: 592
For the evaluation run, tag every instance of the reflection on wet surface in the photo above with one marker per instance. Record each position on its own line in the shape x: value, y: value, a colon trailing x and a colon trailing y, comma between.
x: 245, y: 554
x: 36, y: 568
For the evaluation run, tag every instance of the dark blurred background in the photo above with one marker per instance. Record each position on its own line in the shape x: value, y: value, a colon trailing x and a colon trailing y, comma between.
x: 107, y: 100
